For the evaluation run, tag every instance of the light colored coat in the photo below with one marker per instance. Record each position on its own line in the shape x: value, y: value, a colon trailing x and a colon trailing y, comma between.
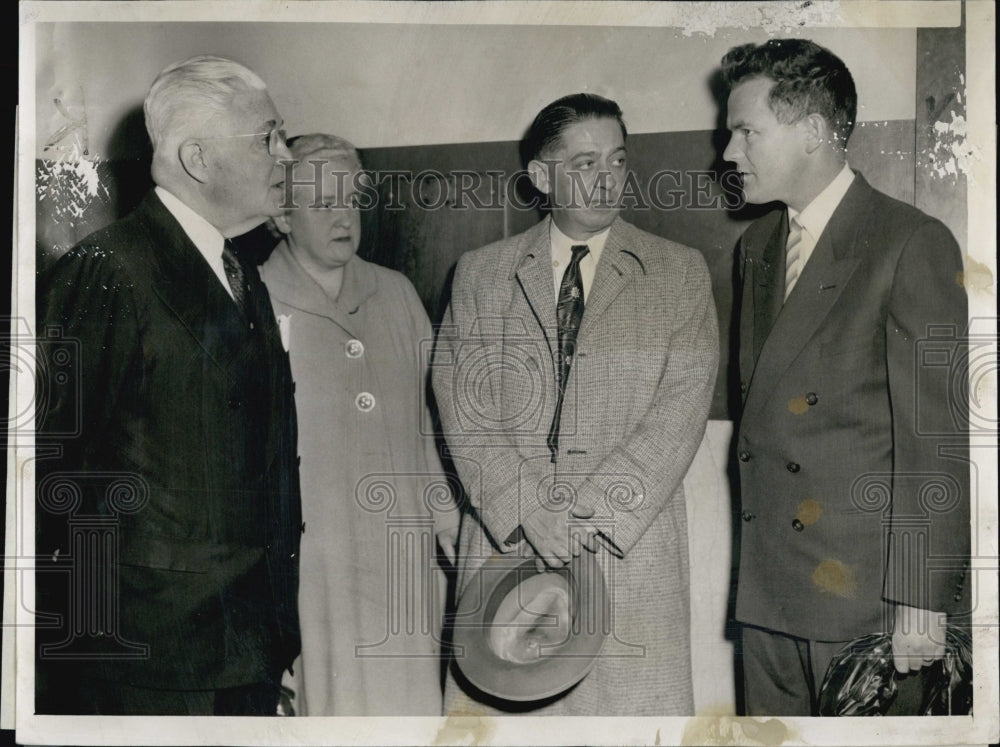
x: 371, y: 595
x: 634, y: 414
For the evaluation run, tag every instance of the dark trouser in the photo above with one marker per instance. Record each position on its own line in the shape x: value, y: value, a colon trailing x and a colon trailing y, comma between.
x: 782, y: 675
x: 116, y: 699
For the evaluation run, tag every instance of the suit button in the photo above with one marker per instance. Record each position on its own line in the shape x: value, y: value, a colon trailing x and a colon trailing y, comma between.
x: 743, y: 387
x: 365, y: 402
x: 958, y: 597
x: 747, y: 516
x: 354, y: 348
x: 811, y: 399
x: 744, y: 456
x: 235, y: 403
x: 792, y: 467
x: 797, y: 525
x: 303, y: 527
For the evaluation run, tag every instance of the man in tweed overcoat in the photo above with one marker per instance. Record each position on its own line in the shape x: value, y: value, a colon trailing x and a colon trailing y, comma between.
x: 635, y: 407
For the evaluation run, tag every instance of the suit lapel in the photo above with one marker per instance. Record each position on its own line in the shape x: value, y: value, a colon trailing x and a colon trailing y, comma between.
x: 769, y: 284
x: 534, y: 275
x: 187, y: 285
x: 833, y: 262
x: 614, y: 272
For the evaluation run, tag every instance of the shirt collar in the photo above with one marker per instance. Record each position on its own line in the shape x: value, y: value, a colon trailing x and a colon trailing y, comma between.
x: 817, y: 213
x: 203, y: 234
x: 562, y: 245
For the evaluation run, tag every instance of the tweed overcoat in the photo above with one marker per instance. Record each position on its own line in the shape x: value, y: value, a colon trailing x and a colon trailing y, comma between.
x: 181, y: 439
x: 852, y: 446
x: 635, y: 410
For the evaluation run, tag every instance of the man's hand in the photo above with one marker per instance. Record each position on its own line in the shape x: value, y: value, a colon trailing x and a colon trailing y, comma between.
x: 918, y: 638
x: 558, y: 536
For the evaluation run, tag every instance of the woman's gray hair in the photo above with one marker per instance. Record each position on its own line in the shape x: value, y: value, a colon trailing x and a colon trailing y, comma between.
x: 303, y: 146
x: 192, y: 90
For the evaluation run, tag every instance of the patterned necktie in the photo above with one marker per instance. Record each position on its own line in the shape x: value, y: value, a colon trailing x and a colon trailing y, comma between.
x: 569, y: 312
x: 793, y: 255
x: 237, y: 279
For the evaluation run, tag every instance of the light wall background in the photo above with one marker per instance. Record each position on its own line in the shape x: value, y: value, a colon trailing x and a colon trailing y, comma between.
x: 385, y: 85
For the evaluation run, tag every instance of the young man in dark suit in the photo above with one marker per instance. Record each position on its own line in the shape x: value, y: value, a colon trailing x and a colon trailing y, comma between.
x: 853, y: 460
x: 172, y: 495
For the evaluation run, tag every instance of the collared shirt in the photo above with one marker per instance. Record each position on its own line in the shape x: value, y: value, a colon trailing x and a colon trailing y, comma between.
x: 817, y: 213
x: 562, y: 252
x: 203, y: 234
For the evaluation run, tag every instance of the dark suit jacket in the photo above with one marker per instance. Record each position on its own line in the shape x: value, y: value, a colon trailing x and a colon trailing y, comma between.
x: 181, y: 444
x: 852, y: 444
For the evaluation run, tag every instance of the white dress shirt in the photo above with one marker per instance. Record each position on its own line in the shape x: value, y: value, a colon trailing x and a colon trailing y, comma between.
x: 203, y: 234
x: 562, y: 252
x: 817, y: 213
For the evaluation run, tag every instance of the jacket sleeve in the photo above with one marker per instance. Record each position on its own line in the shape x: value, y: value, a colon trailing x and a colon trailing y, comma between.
x: 494, y: 470
x: 927, y: 365
x: 88, y: 350
x: 661, y: 447
x: 443, y: 504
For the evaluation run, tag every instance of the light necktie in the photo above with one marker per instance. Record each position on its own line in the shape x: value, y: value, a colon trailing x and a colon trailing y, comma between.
x: 569, y: 313
x: 793, y: 255
x: 237, y: 279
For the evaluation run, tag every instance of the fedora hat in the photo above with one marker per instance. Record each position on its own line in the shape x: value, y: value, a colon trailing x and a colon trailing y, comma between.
x: 523, y: 634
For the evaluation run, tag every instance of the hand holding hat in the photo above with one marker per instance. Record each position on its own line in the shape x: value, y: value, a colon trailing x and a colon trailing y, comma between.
x: 559, y: 536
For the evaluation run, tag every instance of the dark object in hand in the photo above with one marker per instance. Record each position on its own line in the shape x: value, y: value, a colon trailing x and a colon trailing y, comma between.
x: 862, y: 679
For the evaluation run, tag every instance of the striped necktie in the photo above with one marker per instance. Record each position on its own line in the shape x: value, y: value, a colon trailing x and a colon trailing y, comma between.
x: 793, y: 255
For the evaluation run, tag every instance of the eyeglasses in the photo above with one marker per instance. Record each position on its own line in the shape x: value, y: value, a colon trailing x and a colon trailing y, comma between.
x: 276, y: 138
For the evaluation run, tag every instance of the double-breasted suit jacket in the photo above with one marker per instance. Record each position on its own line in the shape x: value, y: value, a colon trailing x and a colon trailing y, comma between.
x: 853, y: 459
x: 635, y: 410
x: 190, y: 407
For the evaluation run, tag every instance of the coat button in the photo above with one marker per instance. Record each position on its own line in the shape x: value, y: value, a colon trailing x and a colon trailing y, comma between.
x: 797, y: 525
x: 958, y: 597
x: 747, y: 516
x: 792, y: 467
x: 743, y: 387
x: 365, y: 402
x: 354, y: 348
x: 811, y: 399
x: 744, y: 456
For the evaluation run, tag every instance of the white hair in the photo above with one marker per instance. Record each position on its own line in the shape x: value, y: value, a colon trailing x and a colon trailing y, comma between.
x: 186, y: 93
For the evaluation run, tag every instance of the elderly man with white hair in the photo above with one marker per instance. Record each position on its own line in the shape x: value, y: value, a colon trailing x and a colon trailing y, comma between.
x: 180, y: 441
x: 374, y: 499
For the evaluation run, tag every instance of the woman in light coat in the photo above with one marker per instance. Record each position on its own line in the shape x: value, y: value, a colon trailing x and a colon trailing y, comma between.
x: 374, y: 497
